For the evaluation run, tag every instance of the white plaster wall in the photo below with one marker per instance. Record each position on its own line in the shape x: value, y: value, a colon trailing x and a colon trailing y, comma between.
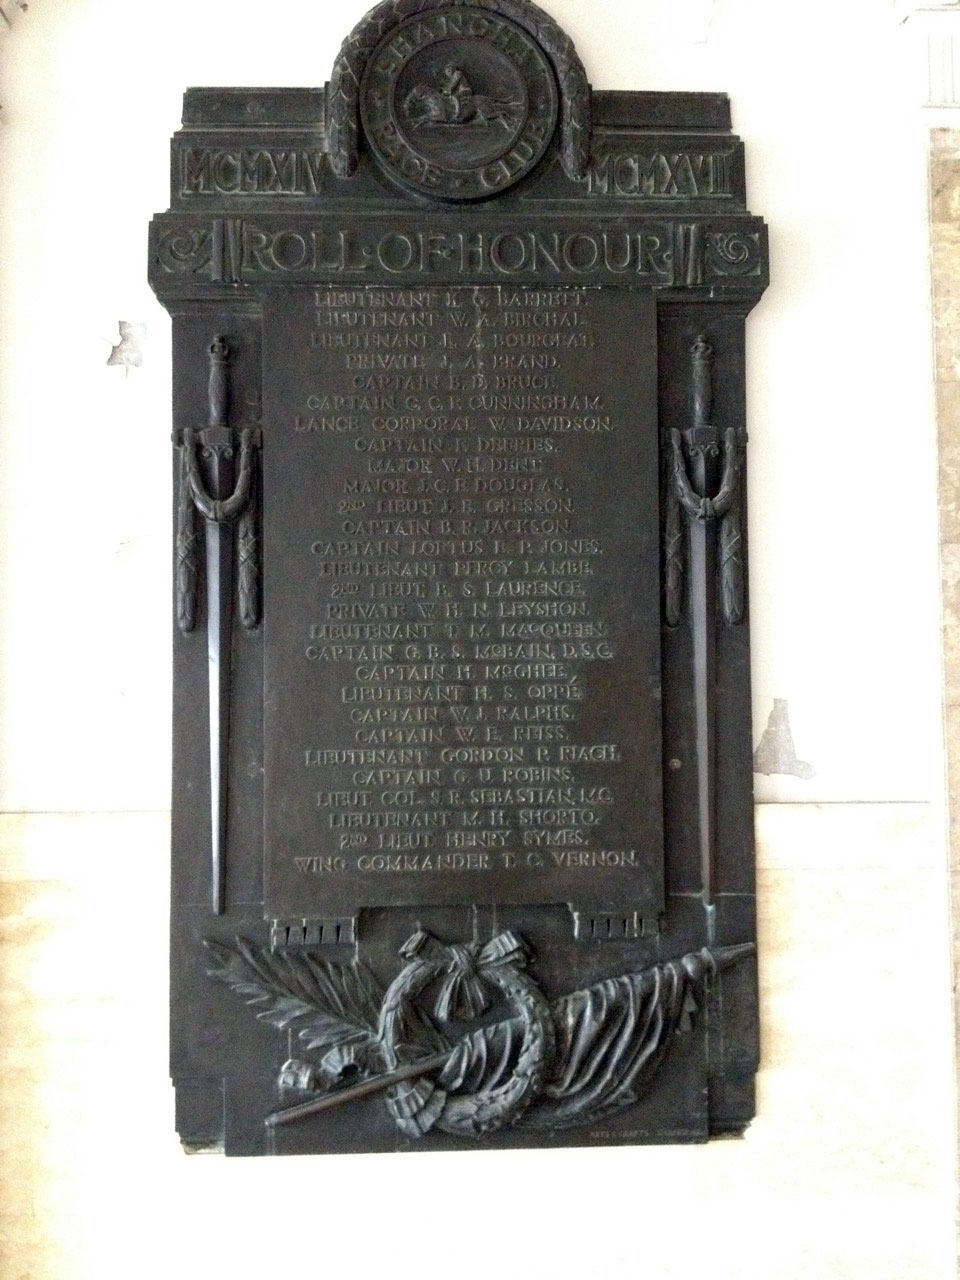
x: 848, y: 1171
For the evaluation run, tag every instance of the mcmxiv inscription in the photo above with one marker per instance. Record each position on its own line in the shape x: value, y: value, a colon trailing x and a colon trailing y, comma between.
x: 462, y: 750
x: 251, y: 171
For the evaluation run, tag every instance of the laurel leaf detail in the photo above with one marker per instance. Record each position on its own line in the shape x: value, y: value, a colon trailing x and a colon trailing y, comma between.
x: 328, y: 1004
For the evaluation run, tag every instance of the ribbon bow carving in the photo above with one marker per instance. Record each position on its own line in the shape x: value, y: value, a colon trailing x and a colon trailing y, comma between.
x: 462, y: 995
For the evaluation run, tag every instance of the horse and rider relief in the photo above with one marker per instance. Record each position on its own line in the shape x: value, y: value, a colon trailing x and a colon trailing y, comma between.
x: 456, y: 103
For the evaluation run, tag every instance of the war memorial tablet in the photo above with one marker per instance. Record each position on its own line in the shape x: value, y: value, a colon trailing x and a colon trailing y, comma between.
x: 462, y: 831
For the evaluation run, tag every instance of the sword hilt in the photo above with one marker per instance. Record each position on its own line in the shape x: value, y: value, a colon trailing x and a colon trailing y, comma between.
x: 218, y: 387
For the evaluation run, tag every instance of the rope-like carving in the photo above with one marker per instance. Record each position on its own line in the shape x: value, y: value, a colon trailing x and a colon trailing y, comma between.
x: 228, y: 509
x: 188, y: 550
x: 344, y: 90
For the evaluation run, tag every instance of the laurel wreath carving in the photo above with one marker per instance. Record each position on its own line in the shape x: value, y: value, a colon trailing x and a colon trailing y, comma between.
x: 457, y: 1109
x: 229, y: 508
x: 188, y: 550
x: 248, y: 571
x: 733, y: 577
x: 694, y: 504
x: 343, y: 125
x: 550, y: 1066
x: 673, y: 560
x: 726, y: 508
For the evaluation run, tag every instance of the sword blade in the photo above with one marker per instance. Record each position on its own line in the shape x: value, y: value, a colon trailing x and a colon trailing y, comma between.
x: 703, y: 592
x: 704, y: 443
x: 218, y: 447
x: 219, y: 540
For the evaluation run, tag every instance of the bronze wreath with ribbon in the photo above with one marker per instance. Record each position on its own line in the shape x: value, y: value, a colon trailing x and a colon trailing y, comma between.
x: 464, y: 971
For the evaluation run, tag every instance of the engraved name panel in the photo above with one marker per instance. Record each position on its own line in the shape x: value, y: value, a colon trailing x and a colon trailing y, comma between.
x: 462, y: 649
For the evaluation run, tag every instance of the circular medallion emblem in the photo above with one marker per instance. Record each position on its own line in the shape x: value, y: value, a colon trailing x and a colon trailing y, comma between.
x: 459, y: 105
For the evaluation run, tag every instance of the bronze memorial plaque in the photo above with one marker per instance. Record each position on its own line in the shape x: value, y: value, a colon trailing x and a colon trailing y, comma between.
x: 462, y: 828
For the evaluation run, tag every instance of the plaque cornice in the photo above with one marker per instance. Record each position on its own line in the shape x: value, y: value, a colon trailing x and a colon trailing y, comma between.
x: 271, y: 109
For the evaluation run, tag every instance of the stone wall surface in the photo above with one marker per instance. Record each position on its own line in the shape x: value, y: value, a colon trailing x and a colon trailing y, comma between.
x: 945, y: 280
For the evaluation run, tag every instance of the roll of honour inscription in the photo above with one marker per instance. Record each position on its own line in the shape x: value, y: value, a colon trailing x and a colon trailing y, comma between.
x: 462, y: 789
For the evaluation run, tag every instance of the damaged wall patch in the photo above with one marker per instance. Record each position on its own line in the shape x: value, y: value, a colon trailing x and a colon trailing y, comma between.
x: 777, y: 752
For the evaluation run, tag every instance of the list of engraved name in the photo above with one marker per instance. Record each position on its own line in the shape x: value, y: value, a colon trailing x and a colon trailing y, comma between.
x: 456, y: 612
